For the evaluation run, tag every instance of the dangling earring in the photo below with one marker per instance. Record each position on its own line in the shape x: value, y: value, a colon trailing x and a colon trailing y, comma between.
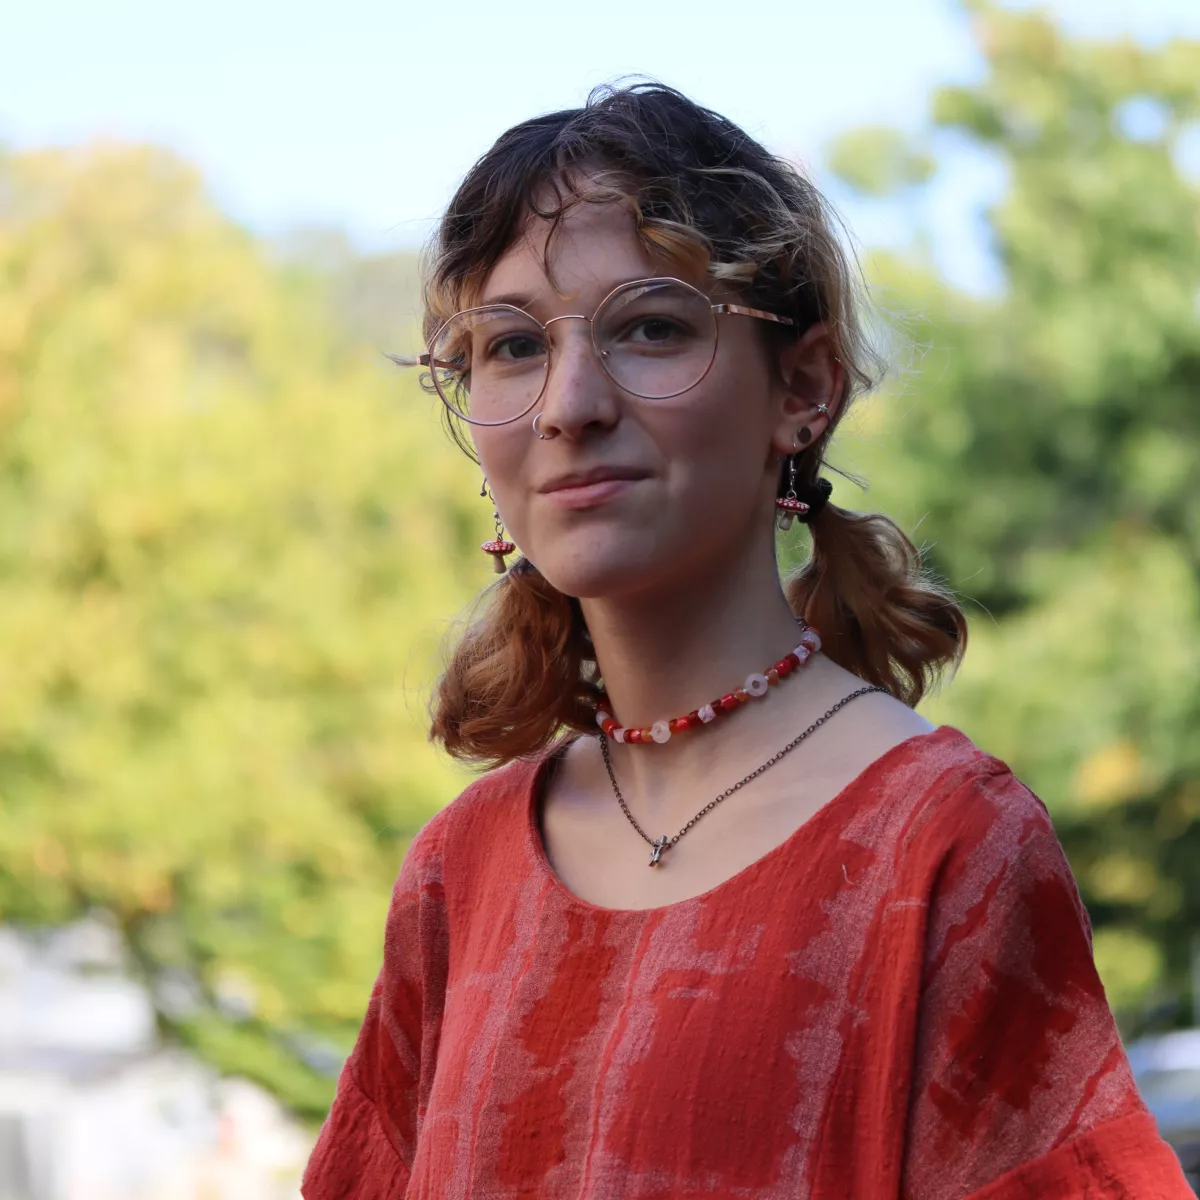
x: 789, y: 506
x: 500, y: 545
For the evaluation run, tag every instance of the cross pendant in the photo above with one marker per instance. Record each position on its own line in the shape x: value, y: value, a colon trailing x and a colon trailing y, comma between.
x: 659, y: 847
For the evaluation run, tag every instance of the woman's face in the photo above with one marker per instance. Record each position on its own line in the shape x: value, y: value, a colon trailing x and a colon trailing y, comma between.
x: 675, y: 485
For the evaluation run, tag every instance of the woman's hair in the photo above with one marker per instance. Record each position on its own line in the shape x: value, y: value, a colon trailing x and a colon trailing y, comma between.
x: 706, y: 197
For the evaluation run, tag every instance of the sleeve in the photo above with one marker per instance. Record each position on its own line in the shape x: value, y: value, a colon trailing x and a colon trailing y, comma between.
x: 1021, y: 1086
x: 366, y: 1147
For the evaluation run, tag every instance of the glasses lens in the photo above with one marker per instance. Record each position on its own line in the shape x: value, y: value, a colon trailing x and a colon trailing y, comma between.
x: 657, y: 338
x: 489, y: 364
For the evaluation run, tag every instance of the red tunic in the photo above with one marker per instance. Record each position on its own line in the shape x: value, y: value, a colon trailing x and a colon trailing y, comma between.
x: 898, y: 1001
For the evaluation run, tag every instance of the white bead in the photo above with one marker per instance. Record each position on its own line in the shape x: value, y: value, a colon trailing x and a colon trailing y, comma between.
x: 802, y: 652
x: 757, y: 685
x: 706, y: 714
x: 811, y: 639
x: 660, y: 731
x: 602, y: 716
x: 618, y: 735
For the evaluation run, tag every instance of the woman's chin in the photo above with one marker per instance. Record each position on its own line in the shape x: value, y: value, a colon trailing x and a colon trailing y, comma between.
x: 603, y: 570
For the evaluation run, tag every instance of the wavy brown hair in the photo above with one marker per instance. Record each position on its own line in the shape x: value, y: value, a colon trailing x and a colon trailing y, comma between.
x: 707, y: 198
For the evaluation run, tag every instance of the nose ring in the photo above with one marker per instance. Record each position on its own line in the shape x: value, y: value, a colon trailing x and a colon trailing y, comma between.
x: 535, y: 427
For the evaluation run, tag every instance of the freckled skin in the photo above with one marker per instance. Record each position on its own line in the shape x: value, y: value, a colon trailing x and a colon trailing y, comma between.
x: 708, y: 449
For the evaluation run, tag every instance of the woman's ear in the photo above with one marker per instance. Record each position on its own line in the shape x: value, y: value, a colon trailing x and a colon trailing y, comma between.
x: 810, y: 376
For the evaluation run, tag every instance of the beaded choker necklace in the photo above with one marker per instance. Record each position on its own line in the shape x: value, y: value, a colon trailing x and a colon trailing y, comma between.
x: 756, y: 686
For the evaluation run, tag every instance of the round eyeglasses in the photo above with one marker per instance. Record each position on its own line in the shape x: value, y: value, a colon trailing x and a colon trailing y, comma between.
x: 655, y: 338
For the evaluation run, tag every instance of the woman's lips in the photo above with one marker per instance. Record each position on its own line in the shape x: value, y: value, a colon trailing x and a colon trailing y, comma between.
x: 589, y: 495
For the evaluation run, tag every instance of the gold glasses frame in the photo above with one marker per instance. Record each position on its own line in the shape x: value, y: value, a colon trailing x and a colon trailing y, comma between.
x: 717, y: 310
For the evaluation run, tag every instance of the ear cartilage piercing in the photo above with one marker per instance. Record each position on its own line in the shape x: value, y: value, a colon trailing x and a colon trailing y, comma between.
x: 823, y: 410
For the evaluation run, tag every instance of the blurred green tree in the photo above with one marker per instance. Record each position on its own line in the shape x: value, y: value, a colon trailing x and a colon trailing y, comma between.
x: 230, y: 536
x: 1046, y: 441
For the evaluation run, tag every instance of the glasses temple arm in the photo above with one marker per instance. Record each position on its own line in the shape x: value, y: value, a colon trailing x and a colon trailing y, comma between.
x: 741, y: 311
x: 418, y: 360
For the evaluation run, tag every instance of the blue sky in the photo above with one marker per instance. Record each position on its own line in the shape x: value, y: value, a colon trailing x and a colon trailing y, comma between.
x: 363, y: 114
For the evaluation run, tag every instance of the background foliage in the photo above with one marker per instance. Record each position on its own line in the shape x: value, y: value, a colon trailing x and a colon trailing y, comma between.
x: 1047, y: 444
x: 231, y: 537
x: 228, y: 544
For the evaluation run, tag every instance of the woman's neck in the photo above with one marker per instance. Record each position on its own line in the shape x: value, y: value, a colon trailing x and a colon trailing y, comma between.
x: 665, y: 655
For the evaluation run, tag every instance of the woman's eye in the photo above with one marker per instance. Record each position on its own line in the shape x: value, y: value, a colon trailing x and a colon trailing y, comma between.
x: 515, y: 348
x: 654, y: 329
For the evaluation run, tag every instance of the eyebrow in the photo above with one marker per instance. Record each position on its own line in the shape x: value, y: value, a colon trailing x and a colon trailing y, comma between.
x: 516, y: 299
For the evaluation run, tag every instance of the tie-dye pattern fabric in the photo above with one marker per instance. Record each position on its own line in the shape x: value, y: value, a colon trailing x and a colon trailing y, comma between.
x: 898, y: 1001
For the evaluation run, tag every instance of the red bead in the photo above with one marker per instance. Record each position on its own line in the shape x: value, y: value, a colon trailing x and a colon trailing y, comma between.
x: 794, y: 659
x: 678, y: 724
x: 772, y: 677
x: 694, y: 721
x: 609, y: 726
x: 729, y: 701
x: 633, y: 735
x: 784, y: 667
x: 741, y: 695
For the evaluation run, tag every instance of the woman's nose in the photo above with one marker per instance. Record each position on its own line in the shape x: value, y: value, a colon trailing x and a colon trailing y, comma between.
x: 578, y: 391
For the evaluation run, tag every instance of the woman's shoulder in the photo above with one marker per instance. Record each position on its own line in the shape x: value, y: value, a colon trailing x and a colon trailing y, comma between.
x: 969, y: 812
x: 968, y: 786
x: 488, y: 812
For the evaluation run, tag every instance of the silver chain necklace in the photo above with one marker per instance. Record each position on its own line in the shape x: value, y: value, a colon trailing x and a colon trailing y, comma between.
x: 665, y: 843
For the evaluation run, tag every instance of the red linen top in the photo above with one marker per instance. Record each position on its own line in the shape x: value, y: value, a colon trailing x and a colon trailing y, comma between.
x: 897, y: 1001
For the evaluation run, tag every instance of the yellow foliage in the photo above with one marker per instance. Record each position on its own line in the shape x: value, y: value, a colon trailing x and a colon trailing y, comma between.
x: 229, y: 541
x: 1130, y: 964
x: 1122, y: 879
x: 1109, y: 775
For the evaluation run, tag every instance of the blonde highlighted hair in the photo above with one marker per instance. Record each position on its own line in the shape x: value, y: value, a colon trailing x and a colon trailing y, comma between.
x: 709, y: 199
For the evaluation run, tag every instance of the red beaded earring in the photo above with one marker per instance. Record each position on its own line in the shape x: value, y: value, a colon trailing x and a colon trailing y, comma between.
x: 499, y: 546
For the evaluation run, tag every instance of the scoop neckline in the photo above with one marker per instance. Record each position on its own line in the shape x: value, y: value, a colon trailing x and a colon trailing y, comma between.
x: 541, y: 861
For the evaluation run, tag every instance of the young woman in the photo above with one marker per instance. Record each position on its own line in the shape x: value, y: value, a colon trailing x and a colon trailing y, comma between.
x: 728, y: 918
